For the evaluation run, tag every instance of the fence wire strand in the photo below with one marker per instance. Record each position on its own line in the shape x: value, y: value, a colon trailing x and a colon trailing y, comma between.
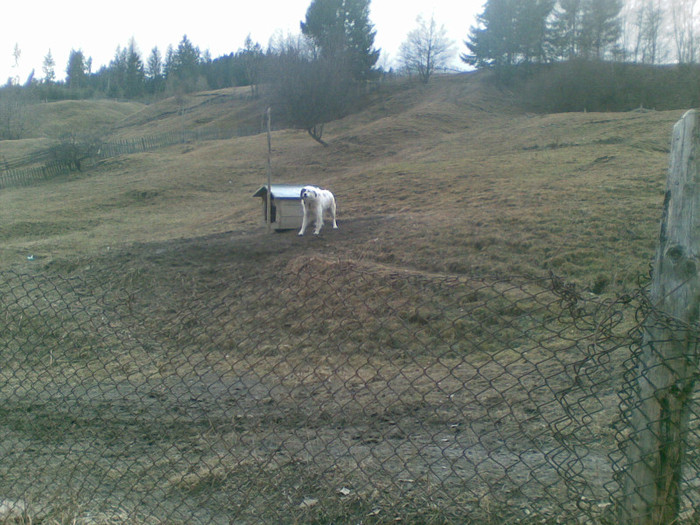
x: 337, y: 393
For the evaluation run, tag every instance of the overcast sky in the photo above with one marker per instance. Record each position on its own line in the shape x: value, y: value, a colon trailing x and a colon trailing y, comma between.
x: 98, y: 28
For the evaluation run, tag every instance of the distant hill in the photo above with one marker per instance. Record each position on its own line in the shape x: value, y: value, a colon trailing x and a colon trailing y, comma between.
x: 50, y: 120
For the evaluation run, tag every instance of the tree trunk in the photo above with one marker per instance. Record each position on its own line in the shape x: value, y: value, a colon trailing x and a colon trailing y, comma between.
x: 316, y: 132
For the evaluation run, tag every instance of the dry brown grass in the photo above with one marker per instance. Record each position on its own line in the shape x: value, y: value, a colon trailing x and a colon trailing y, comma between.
x: 434, y: 184
x: 463, y: 181
x: 245, y: 398
x: 72, y: 116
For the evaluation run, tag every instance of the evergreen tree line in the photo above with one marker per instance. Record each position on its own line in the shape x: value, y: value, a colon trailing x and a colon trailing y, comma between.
x: 515, y: 32
x: 596, y: 55
x: 336, y: 32
x: 309, y: 79
x: 180, y: 69
x: 335, y: 51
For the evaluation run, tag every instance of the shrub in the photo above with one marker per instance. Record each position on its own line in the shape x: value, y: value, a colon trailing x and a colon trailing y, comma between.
x: 608, y: 86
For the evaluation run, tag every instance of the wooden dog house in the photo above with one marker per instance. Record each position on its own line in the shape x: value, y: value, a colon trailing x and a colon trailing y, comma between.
x: 285, y: 210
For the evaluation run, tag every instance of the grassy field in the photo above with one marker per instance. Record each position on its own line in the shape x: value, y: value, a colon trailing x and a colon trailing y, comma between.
x: 199, y: 373
x: 455, y: 178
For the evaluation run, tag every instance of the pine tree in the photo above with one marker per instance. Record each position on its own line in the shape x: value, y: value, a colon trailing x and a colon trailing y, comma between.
x: 77, y: 70
x: 601, y: 27
x: 567, y: 28
x: 154, y: 71
x: 532, y: 33
x: 116, y: 74
x: 492, y: 41
x: 48, y: 68
x: 183, y: 66
x: 135, y: 75
x: 341, y: 31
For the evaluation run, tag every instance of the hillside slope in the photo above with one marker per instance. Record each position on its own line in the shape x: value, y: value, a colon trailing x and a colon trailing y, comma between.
x: 450, y: 177
x: 168, y: 359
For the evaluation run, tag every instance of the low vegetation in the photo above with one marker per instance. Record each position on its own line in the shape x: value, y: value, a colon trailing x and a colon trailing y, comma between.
x: 606, y: 86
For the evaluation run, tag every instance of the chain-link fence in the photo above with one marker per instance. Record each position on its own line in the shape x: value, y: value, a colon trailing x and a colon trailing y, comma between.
x: 335, y: 393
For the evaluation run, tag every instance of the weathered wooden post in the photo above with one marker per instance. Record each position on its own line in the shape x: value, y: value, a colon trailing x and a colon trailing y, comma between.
x: 668, y: 365
x: 268, y: 208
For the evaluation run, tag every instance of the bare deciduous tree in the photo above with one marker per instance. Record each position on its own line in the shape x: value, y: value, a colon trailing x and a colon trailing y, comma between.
x: 651, y: 32
x: 643, y: 31
x: 307, y: 91
x: 16, y: 54
x: 73, y: 150
x: 252, y: 57
x: 684, y: 30
x: 426, y: 49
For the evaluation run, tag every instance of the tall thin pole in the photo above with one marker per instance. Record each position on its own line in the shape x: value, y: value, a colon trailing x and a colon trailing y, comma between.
x: 269, y: 172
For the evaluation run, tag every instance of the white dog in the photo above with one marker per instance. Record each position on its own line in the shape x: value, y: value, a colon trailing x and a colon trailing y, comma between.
x: 315, y: 201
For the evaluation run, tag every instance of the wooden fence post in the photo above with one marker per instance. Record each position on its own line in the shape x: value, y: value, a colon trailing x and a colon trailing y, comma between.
x: 268, y: 207
x: 668, y: 361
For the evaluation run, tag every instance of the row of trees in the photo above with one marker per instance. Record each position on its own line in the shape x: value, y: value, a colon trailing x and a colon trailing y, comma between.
x: 320, y: 74
x: 515, y: 32
x: 334, y: 32
x: 596, y: 55
x: 507, y: 33
x: 182, y: 69
x: 310, y: 79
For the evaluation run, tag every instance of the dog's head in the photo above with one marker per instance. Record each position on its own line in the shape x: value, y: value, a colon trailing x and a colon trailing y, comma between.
x: 308, y: 194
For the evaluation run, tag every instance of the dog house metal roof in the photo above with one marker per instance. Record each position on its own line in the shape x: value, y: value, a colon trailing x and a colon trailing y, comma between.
x: 281, y: 191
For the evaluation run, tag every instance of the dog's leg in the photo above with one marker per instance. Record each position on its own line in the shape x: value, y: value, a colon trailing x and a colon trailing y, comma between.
x: 319, y: 218
x: 304, y: 221
x: 335, y: 225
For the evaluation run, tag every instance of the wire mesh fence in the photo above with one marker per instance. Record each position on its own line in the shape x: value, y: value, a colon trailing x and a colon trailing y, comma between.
x: 335, y: 393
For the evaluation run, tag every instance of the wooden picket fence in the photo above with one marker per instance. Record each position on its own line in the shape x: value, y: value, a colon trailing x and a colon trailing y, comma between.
x: 163, y: 140
x: 30, y: 176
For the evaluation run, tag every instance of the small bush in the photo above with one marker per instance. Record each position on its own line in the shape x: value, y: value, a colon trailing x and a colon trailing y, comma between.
x: 73, y: 150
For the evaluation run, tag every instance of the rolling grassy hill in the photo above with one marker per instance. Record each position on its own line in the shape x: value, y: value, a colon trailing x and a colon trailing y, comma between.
x: 159, y: 342
x: 451, y: 177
